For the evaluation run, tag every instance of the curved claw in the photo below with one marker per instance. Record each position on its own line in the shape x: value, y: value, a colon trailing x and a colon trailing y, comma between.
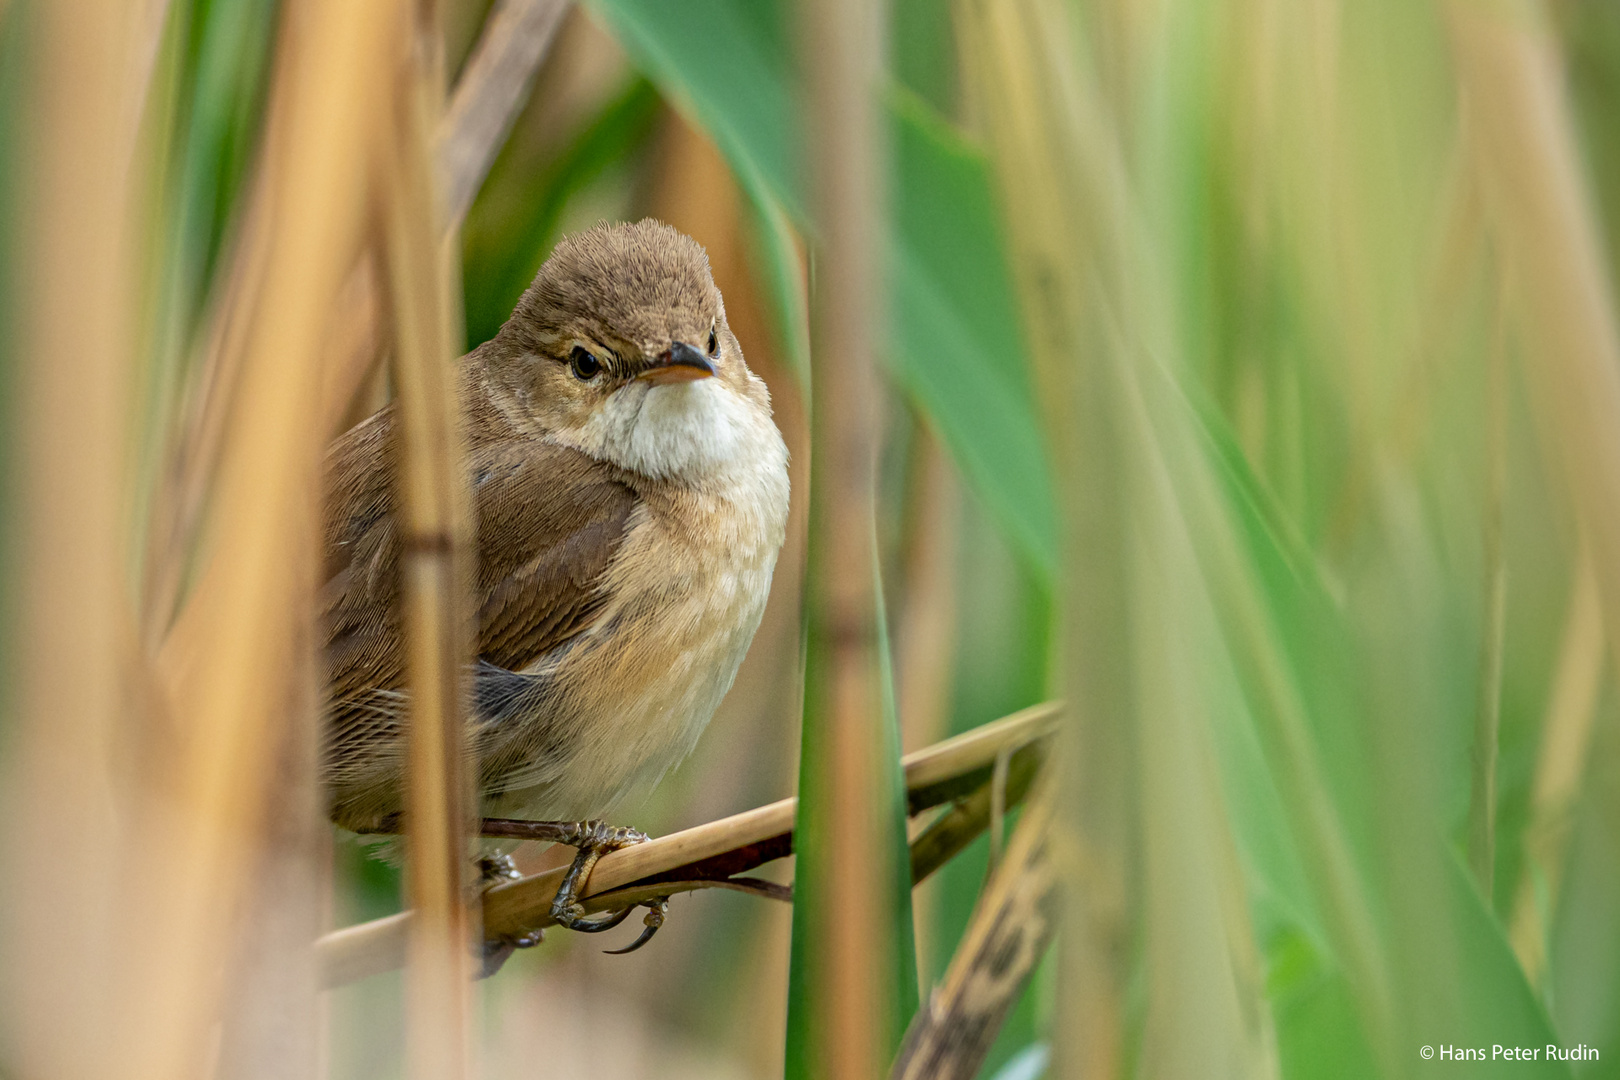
x: 594, y: 926
x: 656, y: 910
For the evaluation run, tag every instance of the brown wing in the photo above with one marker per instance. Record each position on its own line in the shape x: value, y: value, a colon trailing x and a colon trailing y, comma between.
x: 549, y: 521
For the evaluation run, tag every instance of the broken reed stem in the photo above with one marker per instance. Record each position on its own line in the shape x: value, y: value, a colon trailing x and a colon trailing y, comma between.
x: 704, y: 856
x: 1011, y: 928
x: 433, y: 541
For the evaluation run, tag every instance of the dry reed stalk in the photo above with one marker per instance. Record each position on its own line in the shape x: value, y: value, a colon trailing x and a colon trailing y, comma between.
x: 926, y: 633
x: 954, y: 769
x: 1011, y: 928
x: 180, y: 499
x: 434, y: 533
x: 272, y: 1028
x: 488, y: 107
x: 232, y: 666
x: 1549, y: 238
x: 851, y: 921
x: 492, y: 91
x: 1061, y: 181
x: 1566, y: 737
x: 71, y: 639
x: 493, y: 87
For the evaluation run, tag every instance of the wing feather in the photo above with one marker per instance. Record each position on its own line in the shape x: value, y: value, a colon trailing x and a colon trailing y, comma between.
x: 549, y: 522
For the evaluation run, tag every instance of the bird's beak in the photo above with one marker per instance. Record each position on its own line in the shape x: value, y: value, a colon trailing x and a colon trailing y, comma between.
x: 679, y: 363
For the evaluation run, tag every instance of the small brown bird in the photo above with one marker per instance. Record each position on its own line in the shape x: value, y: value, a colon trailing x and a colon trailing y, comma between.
x: 631, y: 495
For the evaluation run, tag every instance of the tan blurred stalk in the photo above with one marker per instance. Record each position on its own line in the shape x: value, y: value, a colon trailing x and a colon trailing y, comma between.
x: 1519, y: 123
x: 1566, y: 737
x: 240, y: 656
x: 1023, y: 68
x: 925, y: 634
x: 73, y: 637
x: 434, y: 536
x: 925, y: 637
x: 853, y: 988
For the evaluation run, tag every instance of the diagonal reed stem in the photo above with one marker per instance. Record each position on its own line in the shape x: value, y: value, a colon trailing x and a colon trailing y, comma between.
x: 956, y: 769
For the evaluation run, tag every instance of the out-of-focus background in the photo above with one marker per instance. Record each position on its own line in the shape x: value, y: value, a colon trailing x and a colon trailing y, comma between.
x: 1251, y: 381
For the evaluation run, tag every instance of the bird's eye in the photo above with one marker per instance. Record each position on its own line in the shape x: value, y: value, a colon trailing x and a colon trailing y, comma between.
x: 714, y: 343
x: 584, y: 366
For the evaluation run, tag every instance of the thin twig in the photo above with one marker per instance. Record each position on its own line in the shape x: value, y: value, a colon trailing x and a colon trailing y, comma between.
x: 708, y: 856
x: 969, y: 816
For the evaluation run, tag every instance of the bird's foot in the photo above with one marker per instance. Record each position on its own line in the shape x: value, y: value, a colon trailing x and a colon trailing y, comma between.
x: 593, y: 839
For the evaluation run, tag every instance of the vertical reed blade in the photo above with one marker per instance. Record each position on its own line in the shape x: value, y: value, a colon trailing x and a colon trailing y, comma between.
x: 69, y: 384
x: 434, y: 544
x: 851, y: 944
x: 1541, y: 212
x: 1022, y: 65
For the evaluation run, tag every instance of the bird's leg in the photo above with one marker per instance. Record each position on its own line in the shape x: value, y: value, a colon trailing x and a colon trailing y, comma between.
x: 593, y: 839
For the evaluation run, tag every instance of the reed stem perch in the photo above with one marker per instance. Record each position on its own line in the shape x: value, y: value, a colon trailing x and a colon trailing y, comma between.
x: 709, y: 855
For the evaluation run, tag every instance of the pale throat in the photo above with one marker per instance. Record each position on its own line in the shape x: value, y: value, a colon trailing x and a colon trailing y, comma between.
x: 687, y: 431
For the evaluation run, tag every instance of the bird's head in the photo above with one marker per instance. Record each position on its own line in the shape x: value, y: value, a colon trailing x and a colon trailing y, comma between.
x: 620, y: 348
